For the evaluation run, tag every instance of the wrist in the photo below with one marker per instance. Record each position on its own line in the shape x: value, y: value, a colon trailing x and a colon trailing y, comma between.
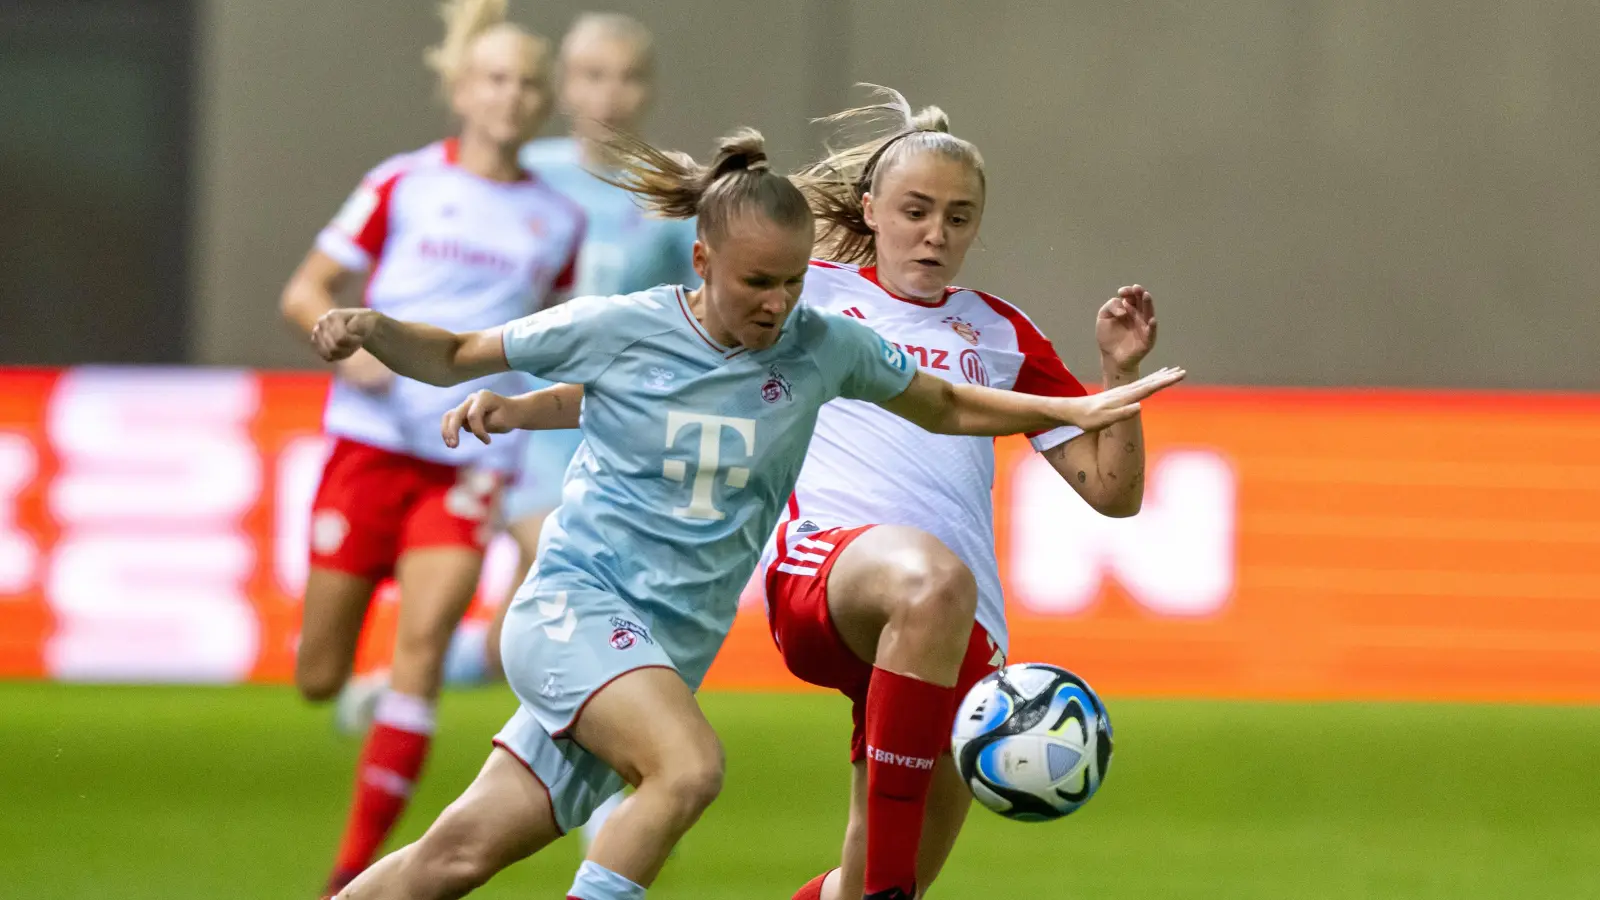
x: 1115, y: 373
x: 1070, y: 410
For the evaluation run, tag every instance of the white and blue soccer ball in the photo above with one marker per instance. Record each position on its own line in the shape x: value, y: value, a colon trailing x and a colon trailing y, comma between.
x: 1032, y: 741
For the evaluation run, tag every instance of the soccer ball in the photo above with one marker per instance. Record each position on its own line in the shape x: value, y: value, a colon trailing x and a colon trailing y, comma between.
x: 1032, y: 741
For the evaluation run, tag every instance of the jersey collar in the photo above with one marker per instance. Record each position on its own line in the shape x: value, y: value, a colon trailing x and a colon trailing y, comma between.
x: 700, y: 330
x: 452, y: 158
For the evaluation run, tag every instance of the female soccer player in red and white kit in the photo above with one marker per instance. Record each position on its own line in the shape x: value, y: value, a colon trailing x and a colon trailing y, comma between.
x: 882, y: 581
x: 460, y: 236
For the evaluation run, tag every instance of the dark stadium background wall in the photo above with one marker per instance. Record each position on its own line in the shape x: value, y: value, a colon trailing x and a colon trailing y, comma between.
x: 1309, y: 205
x: 1280, y: 552
x: 95, y: 180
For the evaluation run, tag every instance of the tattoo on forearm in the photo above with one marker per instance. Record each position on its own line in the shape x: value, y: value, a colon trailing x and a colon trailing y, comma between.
x: 1082, y: 476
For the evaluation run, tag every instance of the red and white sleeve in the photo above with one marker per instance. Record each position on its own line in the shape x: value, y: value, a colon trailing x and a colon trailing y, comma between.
x: 1042, y: 373
x: 356, y: 236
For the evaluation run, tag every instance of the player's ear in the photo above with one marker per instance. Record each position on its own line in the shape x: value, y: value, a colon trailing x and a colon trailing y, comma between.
x: 701, y: 256
x: 868, y: 215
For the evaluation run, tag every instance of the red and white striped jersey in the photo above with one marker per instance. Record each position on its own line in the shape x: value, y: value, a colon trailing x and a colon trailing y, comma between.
x: 449, y: 248
x: 869, y: 466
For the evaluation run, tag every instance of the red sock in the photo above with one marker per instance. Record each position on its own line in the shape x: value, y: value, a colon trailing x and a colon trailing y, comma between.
x: 908, y: 728
x: 392, y: 759
x: 813, y: 888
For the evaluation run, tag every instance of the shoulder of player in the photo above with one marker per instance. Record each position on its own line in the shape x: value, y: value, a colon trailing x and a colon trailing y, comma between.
x: 815, y: 326
x: 549, y: 152
x: 832, y: 272
x: 551, y: 199
x: 613, y: 323
x: 988, y: 310
x: 828, y: 283
x: 387, y: 173
x: 640, y: 314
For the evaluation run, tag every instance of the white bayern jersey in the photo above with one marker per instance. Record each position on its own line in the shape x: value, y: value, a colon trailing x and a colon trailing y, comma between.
x: 867, y: 466
x: 448, y: 248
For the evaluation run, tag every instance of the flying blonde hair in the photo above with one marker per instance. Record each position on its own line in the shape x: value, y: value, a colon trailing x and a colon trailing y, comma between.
x: 835, y: 184
x: 739, y: 179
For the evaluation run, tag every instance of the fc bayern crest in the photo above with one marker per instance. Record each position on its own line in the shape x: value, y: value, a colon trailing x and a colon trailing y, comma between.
x: 964, y: 328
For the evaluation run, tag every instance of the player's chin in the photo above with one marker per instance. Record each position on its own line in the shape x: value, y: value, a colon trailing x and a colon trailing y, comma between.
x: 926, y: 281
x: 759, y: 336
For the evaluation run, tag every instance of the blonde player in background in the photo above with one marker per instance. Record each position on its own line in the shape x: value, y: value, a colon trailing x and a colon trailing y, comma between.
x: 460, y: 235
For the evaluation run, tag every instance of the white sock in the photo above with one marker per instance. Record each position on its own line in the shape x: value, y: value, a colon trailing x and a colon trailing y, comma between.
x: 596, y: 882
x: 405, y: 712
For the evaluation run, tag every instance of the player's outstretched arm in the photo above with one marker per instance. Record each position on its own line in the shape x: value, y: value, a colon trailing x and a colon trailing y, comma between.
x: 485, y: 413
x: 1106, y: 467
x: 968, y: 409
x: 418, y: 351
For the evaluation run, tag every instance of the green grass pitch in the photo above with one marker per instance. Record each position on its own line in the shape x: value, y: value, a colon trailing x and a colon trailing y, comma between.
x: 176, y: 793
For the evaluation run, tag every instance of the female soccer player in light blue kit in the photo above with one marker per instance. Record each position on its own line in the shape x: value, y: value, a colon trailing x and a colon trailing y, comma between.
x: 605, y: 86
x: 698, y: 409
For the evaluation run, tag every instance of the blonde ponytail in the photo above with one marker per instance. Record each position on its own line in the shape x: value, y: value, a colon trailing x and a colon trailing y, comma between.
x: 738, y: 179
x: 877, y: 137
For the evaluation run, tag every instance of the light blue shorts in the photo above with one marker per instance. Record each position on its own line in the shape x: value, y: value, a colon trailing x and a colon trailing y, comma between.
x: 559, y: 649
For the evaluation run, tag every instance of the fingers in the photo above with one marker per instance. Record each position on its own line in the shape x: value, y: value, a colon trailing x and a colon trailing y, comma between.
x: 332, y: 339
x: 476, y: 413
x: 1148, y: 385
x: 450, y: 427
x: 1132, y: 299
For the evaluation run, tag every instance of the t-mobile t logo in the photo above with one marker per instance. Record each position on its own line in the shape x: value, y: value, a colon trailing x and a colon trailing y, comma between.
x: 701, y: 504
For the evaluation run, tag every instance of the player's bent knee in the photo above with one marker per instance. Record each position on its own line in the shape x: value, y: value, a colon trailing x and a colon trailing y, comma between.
x: 695, y: 784
x: 319, y: 683
x: 935, y: 587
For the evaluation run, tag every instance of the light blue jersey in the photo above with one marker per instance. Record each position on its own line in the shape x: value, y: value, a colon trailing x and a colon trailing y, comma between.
x: 690, y: 452
x: 624, y: 250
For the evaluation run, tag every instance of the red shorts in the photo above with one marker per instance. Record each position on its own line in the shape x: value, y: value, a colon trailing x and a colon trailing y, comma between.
x: 373, y: 505
x: 802, y: 627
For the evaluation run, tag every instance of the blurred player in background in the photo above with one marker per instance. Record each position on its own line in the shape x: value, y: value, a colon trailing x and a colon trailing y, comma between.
x: 698, y: 411
x: 459, y: 235
x: 881, y: 580
x: 606, y: 74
